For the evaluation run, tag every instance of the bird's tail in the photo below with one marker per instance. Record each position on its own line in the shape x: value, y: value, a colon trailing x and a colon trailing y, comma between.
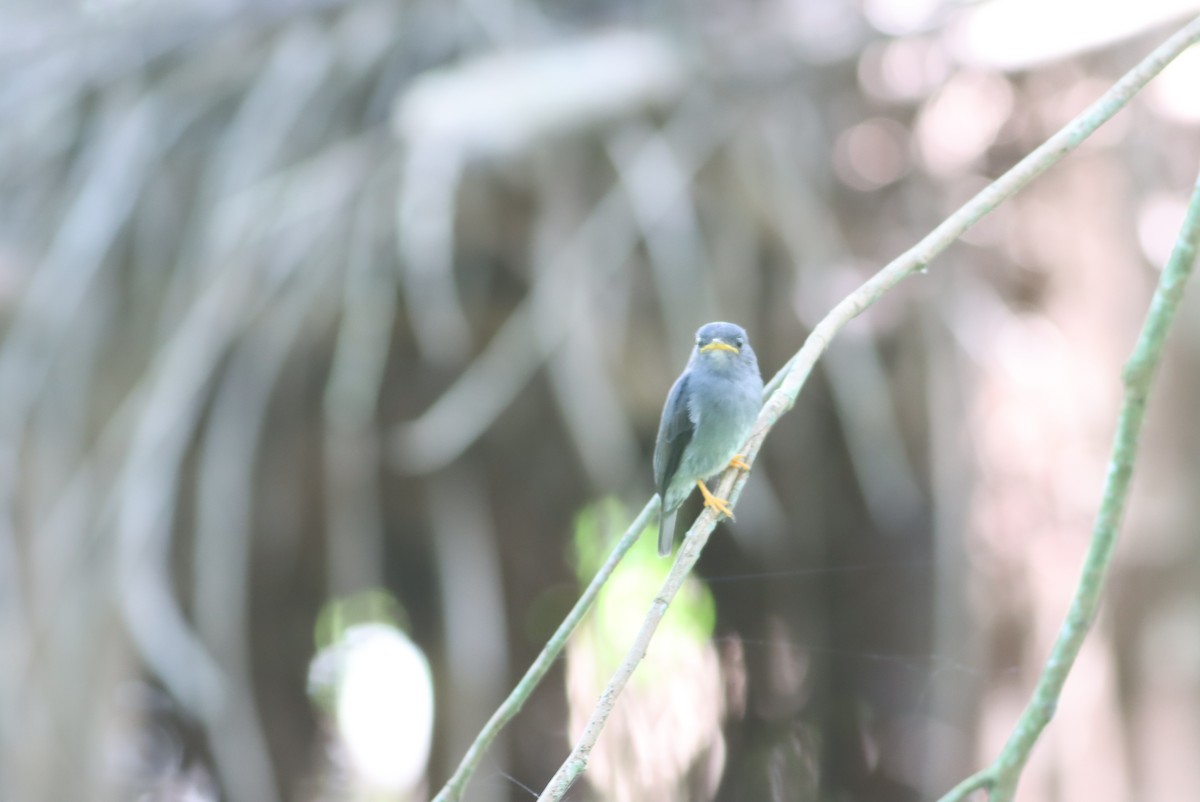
x: 666, y: 533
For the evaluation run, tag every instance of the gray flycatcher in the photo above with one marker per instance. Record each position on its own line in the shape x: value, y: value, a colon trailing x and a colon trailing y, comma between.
x: 708, y: 416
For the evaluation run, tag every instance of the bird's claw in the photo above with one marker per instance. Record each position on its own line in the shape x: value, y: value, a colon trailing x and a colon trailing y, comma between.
x: 718, y: 504
x: 739, y: 462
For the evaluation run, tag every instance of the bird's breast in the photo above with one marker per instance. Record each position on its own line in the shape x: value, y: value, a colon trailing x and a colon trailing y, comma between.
x: 723, y: 411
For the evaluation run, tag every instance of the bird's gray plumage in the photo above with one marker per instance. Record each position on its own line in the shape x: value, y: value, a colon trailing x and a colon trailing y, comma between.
x: 707, y: 416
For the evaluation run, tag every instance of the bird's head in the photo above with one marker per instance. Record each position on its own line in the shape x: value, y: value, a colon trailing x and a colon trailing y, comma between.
x: 723, y: 345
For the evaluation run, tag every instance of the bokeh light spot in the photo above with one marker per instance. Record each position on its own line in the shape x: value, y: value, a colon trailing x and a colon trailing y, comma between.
x: 872, y: 154
x: 1158, y: 222
x: 959, y: 124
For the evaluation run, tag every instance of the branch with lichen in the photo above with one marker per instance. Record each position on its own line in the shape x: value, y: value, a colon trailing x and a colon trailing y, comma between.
x: 780, y: 394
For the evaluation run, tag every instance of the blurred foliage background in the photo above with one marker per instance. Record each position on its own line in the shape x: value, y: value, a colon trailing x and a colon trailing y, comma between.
x: 327, y: 324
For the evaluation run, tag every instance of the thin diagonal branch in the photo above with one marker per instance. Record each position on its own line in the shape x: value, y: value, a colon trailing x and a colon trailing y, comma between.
x: 784, y: 388
x: 454, y: 787
x: 1037, y: 162
x: 979, y: 781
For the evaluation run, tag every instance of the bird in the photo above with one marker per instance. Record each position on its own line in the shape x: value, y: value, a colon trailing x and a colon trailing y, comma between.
x: 706, y: 418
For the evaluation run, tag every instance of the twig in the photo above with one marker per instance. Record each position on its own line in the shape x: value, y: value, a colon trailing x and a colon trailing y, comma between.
x: 784, y: 388
x: 1138, y: 376
x: 1047, y: 154
x: 979, y: 781
x: 458, y: 781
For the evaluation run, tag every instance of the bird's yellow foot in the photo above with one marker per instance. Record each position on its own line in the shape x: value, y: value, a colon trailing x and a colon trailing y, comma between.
x: 739, y: 462
x: 718, y: 504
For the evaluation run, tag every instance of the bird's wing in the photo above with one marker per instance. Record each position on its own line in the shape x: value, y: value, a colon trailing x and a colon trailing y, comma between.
x: 674, y: 433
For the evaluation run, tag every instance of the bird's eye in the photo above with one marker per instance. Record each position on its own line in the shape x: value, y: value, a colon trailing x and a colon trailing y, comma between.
x: 739, y: 342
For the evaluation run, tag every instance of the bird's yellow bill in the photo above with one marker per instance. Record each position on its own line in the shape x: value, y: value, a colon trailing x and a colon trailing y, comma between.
x: 718, y: 345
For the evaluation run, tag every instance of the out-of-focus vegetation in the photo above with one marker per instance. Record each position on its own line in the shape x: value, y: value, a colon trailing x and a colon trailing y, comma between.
x: 323, y: 321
